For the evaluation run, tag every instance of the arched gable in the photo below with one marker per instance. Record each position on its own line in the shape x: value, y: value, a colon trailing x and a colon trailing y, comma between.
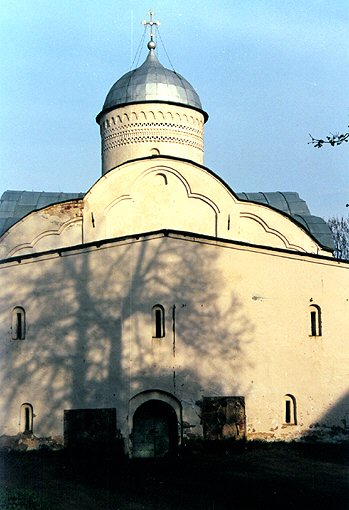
x: 55, y: 226
x: 162, y: 193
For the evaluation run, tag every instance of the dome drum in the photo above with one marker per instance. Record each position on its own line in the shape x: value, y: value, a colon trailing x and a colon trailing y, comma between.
x: 141, y: 130
x: 151, y: 110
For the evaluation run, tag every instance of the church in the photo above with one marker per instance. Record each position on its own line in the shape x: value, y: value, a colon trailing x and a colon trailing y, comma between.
x: 161, y: 307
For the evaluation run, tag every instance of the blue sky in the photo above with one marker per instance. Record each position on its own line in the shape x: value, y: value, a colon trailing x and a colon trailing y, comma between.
x: 268, y: 72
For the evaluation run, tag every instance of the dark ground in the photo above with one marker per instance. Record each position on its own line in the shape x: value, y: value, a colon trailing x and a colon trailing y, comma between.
x: 251, y: 476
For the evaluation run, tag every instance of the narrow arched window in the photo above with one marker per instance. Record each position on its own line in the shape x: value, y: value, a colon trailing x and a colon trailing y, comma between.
x: 26, y: 418
x: 158, y: 314
x: 18, y: 323
x: 290, y: 414
x: 315, y: 320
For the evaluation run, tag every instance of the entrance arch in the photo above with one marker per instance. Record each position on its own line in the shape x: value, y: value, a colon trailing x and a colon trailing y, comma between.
x: 155, y: 423
x: 155, y: 432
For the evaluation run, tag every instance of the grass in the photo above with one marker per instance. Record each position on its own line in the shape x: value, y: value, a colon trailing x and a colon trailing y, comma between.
x: 240, y: 476
x: 21, y: 499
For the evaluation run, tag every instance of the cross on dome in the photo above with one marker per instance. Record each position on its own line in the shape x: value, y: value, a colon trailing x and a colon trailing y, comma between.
x: 151, y: 43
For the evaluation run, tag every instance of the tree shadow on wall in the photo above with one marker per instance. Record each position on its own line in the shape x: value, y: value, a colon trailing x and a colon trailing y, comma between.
x: 332, y: 426
x: 89, y: 341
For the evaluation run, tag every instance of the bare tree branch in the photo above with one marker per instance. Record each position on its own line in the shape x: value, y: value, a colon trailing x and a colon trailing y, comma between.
x: 340, y: 231
x: 333, y: 139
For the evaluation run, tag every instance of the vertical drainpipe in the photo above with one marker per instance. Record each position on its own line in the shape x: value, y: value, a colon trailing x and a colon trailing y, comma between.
x: 174, y: 346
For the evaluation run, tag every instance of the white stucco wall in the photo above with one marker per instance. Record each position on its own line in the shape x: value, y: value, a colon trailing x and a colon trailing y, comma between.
x: 241, y: 319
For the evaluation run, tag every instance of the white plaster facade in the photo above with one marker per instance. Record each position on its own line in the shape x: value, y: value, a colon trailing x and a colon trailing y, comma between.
x: 236, y: 281
x: 240, y: 329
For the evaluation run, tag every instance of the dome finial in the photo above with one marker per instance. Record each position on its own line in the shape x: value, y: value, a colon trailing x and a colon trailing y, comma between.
x: 151, y: 43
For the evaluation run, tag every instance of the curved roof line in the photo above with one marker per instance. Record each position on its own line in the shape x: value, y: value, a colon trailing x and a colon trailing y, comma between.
x: 17, y: 205
x: 325, y: 240
x: 291, y: 205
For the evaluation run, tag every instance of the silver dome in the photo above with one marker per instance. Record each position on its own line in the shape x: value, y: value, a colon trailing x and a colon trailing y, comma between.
x: 151, y: 82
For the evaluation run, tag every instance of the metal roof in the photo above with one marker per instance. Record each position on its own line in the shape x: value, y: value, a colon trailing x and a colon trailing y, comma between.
x: 151, y: 82
x: 290, y: 203
x: 287, y: 202
x: 14, y: 205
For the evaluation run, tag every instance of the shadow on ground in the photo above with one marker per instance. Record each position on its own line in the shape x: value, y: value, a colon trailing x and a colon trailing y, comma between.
x: 252, y: 476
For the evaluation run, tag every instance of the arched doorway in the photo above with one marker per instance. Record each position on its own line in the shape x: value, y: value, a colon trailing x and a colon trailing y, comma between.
x: 155, y: 431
